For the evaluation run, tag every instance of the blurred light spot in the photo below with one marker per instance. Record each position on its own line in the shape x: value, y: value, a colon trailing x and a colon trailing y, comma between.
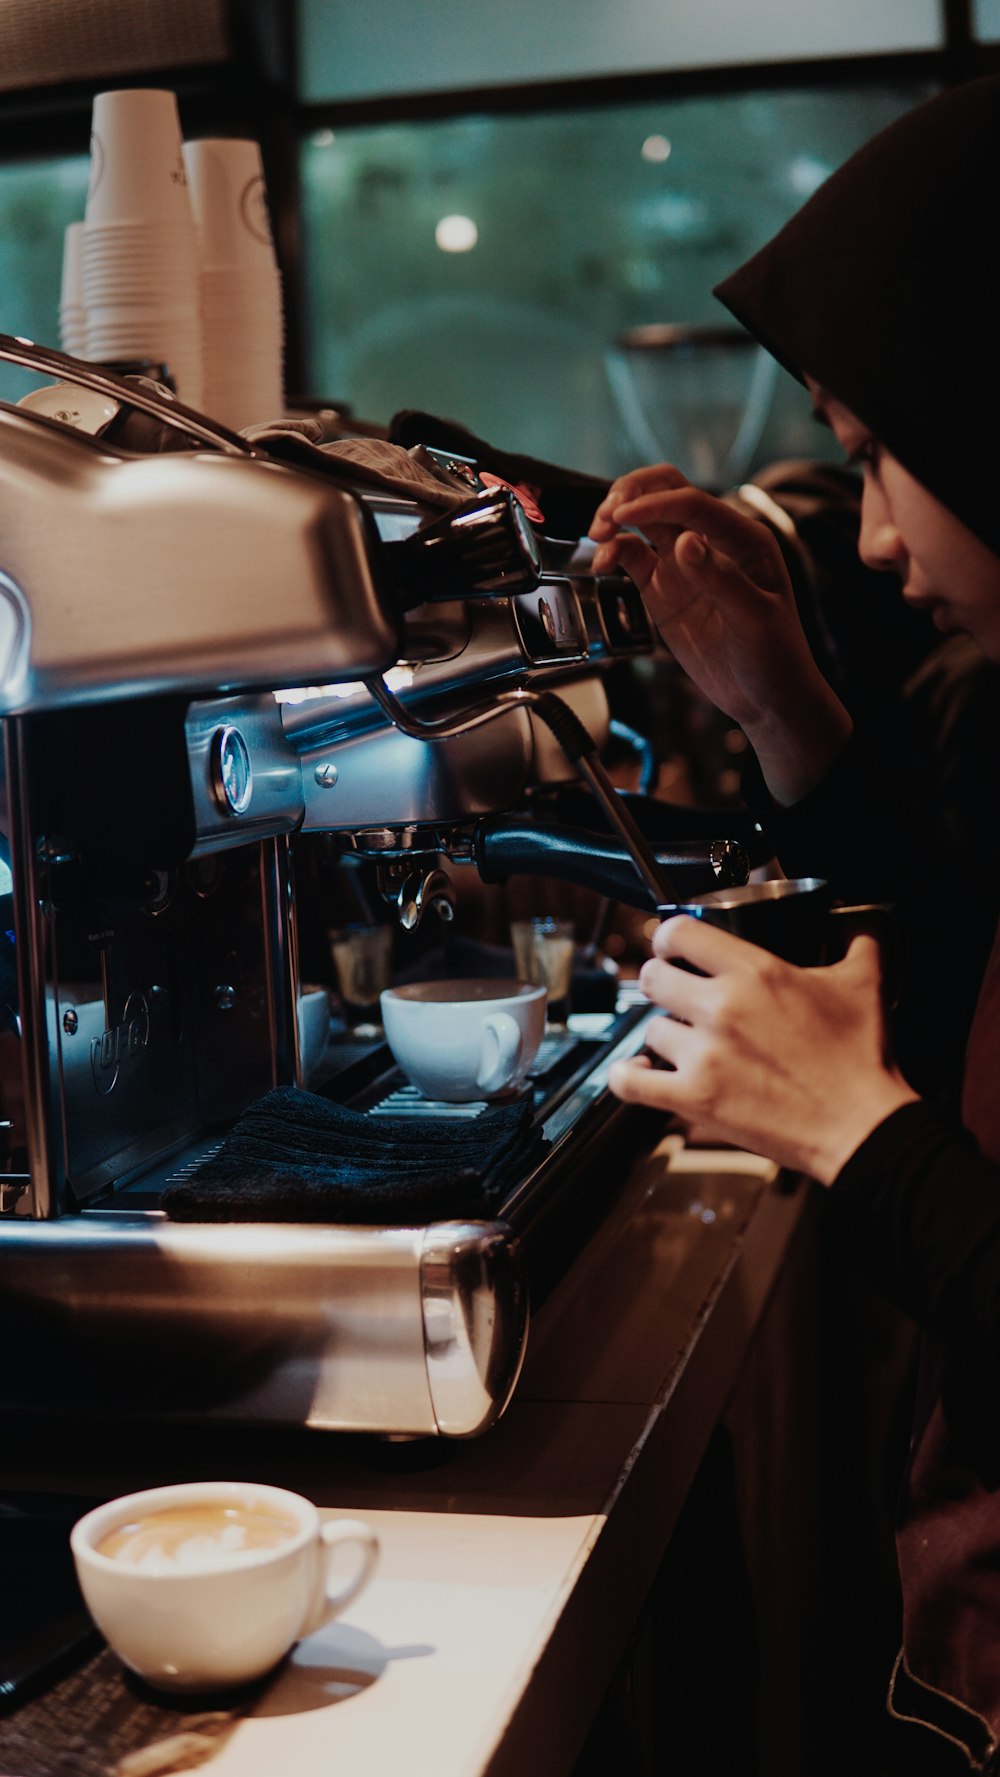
x: 456, y: 234
x: 323, y: 139
x: 673, y: 213
x: 650, y: 929
x: 656, y: 148
x: 806, y: 173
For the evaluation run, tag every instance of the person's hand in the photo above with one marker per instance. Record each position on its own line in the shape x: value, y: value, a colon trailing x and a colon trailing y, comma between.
x: 787, y: 1062
x: 715, y: 584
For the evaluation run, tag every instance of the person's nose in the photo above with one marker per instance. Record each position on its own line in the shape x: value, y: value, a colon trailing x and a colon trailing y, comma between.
x: 880, y: 545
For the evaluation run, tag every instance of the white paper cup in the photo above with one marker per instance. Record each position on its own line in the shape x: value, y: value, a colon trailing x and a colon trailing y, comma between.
x: 242, y: 322
x: 459, y: 1041
x: 226, y: 1619
x: 125, y: 268
x: 229, y: 201
x: 136, y: 162
x: 71, y: 292
x: 73, y: 329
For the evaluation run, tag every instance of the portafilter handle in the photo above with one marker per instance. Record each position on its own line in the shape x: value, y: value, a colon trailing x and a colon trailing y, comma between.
x: 483, y: 548
x: 14, y: 350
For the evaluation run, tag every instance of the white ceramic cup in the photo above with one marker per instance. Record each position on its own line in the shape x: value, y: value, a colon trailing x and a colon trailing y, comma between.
x: 231, y: 1617
x: 463, y: 1040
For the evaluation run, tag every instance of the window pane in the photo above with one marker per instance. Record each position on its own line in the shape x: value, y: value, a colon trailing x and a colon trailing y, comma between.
x: 482, y: 268
x: 986, y: 20
x: 450, y: 44
x: 38, y: 200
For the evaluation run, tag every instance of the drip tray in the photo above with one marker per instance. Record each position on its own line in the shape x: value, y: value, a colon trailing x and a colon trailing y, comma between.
x: 412, y: 1331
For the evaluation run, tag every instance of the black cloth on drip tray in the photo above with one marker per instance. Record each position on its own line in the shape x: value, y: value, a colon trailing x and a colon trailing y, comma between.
x: 295, y: 1157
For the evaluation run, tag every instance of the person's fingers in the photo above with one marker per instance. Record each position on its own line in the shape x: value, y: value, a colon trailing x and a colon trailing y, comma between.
x: 631, y: 554
x: 636, y: 1082
x: 712, y: 952
x: 670, y: 512
x: 649, y: 480
x: 676, y: 990
x: 706, y: 947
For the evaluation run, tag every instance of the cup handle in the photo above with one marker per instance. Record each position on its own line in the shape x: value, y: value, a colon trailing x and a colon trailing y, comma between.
x: 502, y: 1036
x: 326, y: 1605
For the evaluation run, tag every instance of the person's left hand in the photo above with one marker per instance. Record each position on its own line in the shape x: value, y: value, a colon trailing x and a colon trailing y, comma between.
x: 783, y: 1061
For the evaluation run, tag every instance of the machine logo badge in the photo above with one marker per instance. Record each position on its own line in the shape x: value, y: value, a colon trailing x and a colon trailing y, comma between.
x: 116, y: 1045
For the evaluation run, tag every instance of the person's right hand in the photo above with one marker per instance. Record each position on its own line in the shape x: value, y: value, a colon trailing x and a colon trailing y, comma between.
x: 785, y: 1061
x: 714, y: 582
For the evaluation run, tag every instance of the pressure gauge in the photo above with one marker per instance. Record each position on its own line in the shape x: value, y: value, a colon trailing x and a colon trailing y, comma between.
x: 231, y: 770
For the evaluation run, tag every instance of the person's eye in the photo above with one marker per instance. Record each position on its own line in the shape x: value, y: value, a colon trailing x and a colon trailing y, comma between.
x: 865, y: 455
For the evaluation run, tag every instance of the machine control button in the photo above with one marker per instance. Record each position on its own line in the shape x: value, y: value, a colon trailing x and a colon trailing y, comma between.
x: 231, y: 770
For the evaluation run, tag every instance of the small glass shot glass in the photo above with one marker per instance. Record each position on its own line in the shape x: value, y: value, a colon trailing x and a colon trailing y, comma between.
x: 543, y: 953
x: 362, y: 957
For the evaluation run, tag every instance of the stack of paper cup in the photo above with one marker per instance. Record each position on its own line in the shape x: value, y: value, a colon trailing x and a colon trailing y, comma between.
x: 242, y: 314
x: 139, y: 250
x: 72, y: 309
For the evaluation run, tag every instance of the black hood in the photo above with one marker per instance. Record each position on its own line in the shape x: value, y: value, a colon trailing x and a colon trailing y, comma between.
x: 883, y: 288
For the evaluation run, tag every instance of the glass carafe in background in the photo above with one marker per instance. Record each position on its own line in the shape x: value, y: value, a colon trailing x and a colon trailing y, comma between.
x: 694, y: 396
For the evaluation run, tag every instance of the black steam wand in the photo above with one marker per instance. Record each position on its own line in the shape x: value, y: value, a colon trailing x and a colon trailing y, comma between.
x: 579, y: 747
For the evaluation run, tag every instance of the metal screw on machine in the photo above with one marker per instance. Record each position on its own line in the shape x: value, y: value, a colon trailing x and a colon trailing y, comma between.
x: 225, y: 998
x: 326, y: 776
x: 71, y: 1022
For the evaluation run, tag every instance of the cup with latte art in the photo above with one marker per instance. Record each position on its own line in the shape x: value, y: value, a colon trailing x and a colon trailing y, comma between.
x: 205, y: 1585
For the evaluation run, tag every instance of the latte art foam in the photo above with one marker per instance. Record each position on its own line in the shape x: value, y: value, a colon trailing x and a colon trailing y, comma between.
x: 190, y: 1539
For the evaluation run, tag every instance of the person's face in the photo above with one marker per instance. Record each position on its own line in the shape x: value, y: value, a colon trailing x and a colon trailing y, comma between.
x: 944, y: 568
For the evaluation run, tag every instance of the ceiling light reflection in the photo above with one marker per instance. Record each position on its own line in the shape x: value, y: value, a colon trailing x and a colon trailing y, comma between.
x: 456, y: 234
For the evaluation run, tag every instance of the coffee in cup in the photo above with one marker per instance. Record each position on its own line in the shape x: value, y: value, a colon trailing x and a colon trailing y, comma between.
x: 208, y: 1584
x: 463, y: 1040
x: 189, y: 1537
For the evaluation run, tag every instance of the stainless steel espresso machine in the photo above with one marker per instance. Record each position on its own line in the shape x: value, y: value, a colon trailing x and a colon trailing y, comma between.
x: 447, y: 660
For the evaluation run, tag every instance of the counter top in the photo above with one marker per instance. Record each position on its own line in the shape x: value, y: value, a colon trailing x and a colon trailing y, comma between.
x: 514, y: 1566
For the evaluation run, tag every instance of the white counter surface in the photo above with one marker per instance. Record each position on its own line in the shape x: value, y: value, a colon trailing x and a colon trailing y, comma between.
x: 513, y: 1567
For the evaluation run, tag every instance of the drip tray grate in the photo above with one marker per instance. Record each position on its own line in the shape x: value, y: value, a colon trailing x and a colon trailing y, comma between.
x: 409, y: 1101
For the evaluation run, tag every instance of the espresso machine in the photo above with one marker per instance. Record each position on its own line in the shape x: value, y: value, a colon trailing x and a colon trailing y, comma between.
x: 208, y: 654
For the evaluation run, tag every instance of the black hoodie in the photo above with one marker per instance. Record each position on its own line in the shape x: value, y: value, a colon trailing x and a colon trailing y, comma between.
x: 883, y: 288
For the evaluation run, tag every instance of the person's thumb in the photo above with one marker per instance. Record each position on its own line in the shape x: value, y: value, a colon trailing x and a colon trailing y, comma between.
x: 696, y: 558
x: 691, y: 550
x: 862, y: 963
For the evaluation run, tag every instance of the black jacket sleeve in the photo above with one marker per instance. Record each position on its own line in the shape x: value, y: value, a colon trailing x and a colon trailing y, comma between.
x: 875, y: 829
x: 921, y: 1207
